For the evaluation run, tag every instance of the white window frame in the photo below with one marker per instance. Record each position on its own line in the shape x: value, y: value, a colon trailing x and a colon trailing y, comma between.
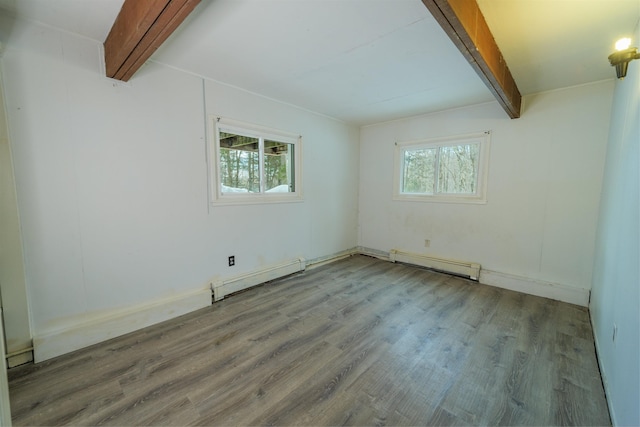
x: 479, y: 197
x: 218, y: 197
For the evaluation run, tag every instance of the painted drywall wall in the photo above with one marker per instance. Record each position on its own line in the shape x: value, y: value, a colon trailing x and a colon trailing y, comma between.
x: 536, y: 232
x: 615, y: 301
x: 112, y: 186
x: 5, y: 404
x: 12, y: 277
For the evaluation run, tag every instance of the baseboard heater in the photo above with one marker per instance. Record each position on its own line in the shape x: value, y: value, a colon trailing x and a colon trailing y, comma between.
x: 461, y: 268
x: 224, y: 287
x: 19, y: 357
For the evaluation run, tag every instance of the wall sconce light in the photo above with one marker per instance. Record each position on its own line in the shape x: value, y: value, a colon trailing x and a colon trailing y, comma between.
x: 623, y: 55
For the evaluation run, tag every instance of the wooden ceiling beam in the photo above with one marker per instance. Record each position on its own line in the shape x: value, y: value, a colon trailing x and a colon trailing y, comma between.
x: 465, y: 25
x: 140, y: 28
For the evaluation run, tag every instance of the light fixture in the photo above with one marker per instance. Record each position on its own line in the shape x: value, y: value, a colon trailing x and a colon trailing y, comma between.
x: 623, y: 55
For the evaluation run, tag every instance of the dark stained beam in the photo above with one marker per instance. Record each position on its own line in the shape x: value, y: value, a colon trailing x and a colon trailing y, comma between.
x: 463, y: 22
x: 140, y: 28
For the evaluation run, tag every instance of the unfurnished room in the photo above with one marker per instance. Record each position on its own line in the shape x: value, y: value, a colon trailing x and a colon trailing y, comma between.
x: 320, y: 212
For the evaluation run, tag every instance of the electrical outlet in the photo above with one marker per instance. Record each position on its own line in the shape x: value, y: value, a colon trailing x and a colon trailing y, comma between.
x: 232, y: 260
x: 427, y: 243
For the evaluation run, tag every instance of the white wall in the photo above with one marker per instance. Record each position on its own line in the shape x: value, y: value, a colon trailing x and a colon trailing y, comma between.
x: 536, y: 233
x: 5, y: 404
x: 112, y: 189
x: 615, y: 299
x: 13, y: 290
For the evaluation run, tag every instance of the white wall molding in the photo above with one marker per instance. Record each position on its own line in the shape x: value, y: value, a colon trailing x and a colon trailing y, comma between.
x: 224, y: 287
x: 91, y: 328
x: 555, y: 291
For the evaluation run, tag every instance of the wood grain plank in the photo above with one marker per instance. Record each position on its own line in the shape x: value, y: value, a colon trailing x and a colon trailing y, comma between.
x: 132, y: 23
x: 465, y: 25
x: 359, y: 341
x: 138, y: 31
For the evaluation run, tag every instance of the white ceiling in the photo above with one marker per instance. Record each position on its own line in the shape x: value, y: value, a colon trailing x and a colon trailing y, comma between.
x: 365, y: 61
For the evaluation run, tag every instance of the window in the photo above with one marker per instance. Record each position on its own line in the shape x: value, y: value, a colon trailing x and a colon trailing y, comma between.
x: 253, y: 164
x: 443, y: 170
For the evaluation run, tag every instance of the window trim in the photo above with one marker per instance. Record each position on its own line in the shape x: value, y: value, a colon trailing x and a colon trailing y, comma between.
x: 480, y: 197
x: 218, y: 123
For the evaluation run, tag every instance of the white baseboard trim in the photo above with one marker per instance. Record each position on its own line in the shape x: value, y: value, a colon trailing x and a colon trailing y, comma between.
x: 536, y: 287
x: 91, y: 328
x: 224, y: 287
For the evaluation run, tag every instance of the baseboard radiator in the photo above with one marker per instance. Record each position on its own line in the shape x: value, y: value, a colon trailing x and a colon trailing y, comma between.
x: 224, y: 287
x: 461, y: 268
x: 19, y: 357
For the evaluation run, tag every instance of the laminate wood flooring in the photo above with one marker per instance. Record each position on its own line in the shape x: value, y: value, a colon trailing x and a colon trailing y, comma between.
x: 356, y: 342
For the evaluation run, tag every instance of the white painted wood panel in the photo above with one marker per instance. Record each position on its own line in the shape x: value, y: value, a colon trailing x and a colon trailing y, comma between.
x: 112, y: 181
x: 545, y: 176
x: 13, y: 290
x: 615, y: 301
x: 5, y: 404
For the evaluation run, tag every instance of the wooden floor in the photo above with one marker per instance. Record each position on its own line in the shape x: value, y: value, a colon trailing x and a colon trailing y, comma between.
x: 357, y: 342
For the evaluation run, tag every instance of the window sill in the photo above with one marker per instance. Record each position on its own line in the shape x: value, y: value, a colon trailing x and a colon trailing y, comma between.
x: 441, y: 199
x: 255, y: 200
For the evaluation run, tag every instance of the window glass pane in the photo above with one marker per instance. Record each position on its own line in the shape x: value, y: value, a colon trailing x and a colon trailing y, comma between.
x: 278, y: 167
x: 239, y: 163
x: 419, y: 171
x: 458, y: 169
